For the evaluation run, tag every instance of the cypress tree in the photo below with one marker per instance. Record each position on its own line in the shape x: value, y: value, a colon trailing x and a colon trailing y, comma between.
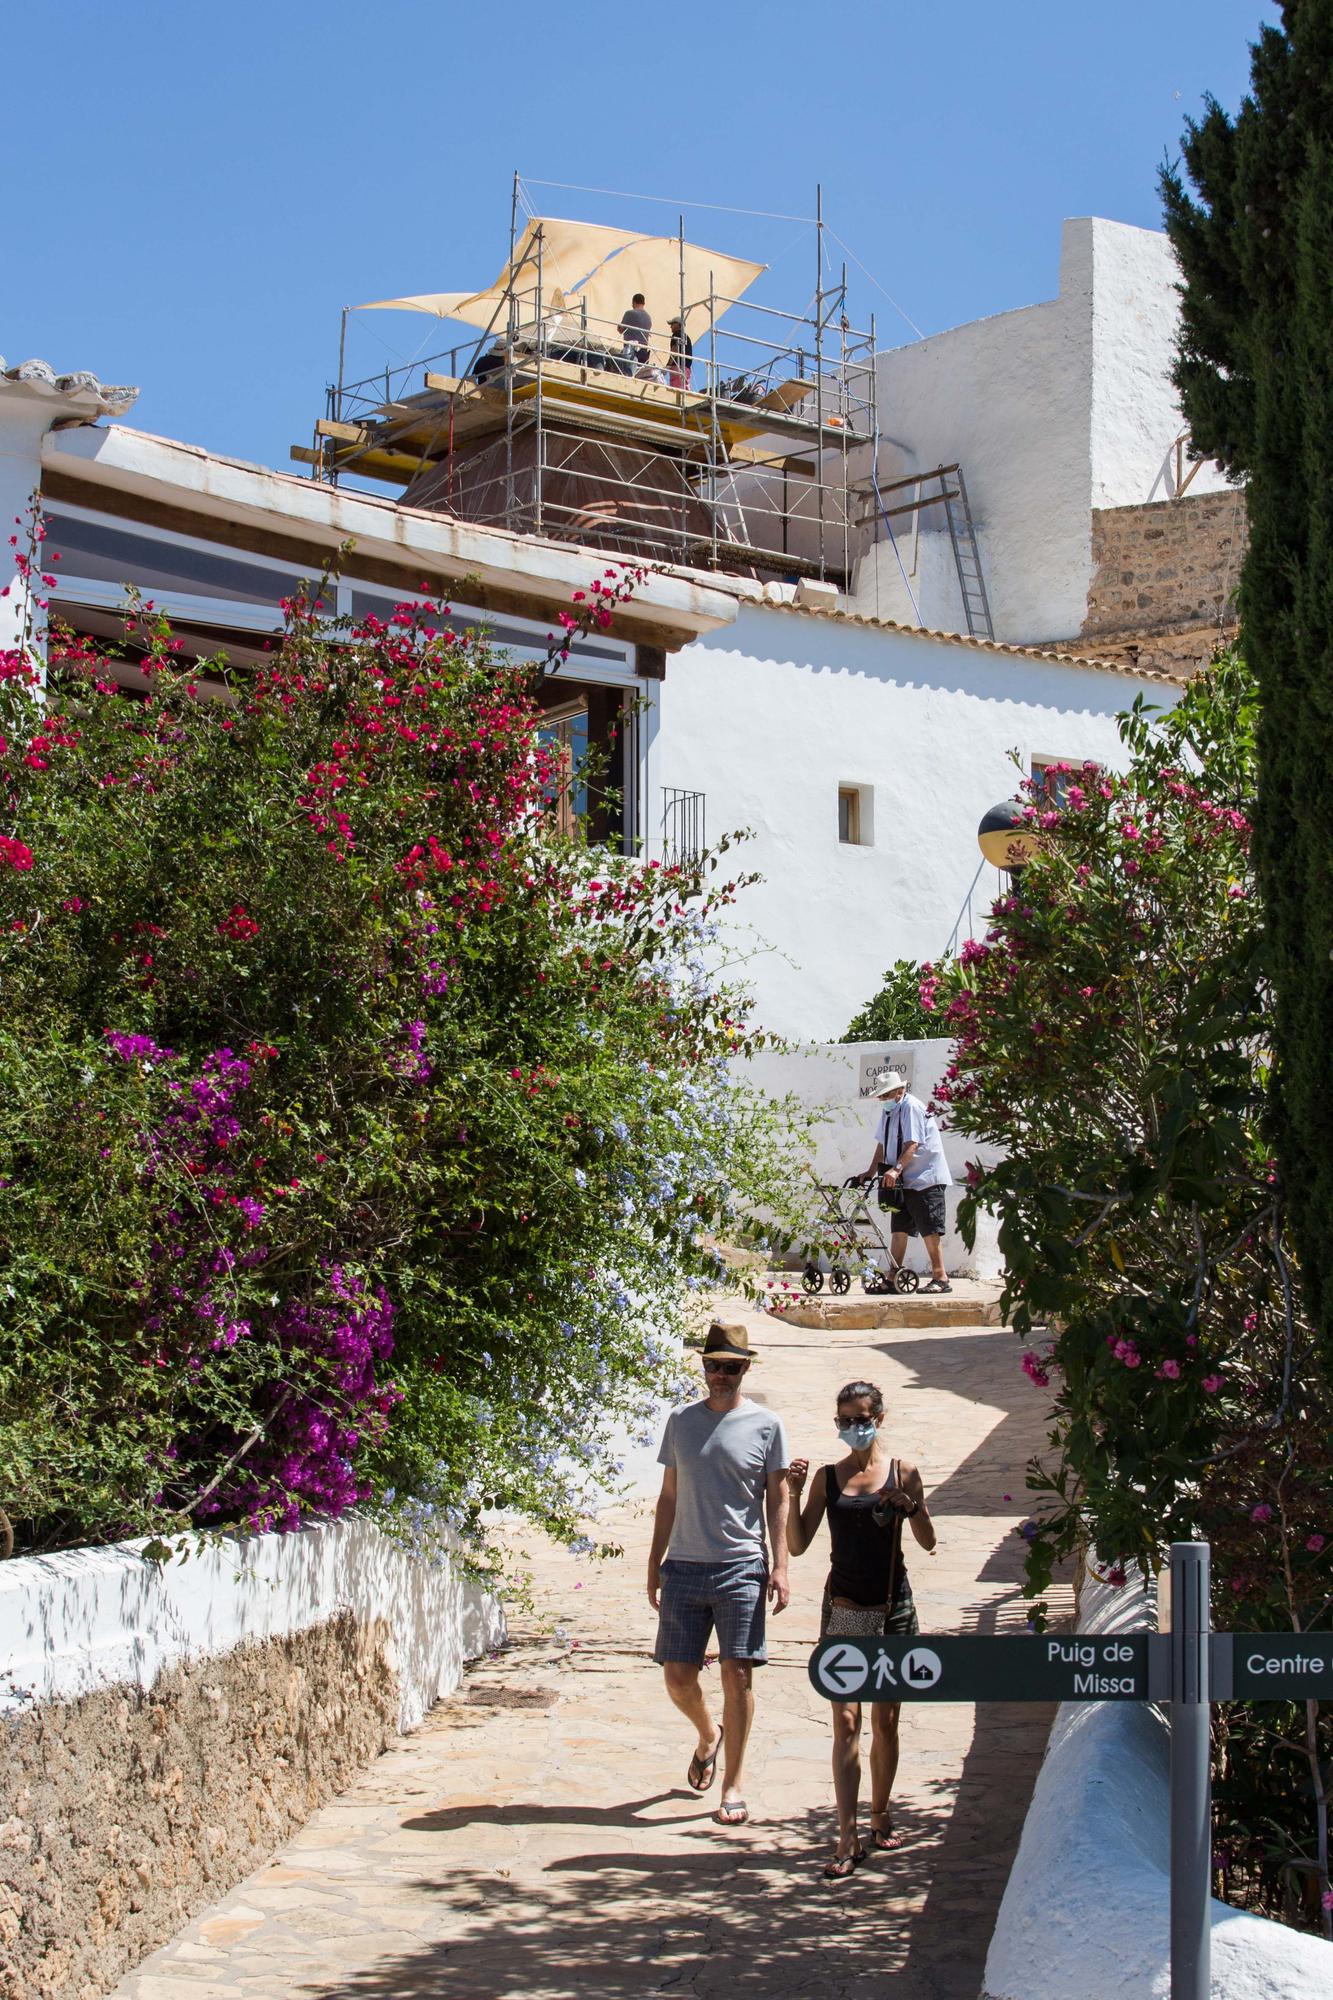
x: 1252, y: 226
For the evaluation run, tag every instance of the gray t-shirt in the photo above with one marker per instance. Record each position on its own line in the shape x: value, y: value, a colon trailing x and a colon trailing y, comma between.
x: 722, y: 1462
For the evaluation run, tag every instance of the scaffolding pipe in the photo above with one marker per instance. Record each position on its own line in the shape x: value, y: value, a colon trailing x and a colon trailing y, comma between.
x: 819, y: 370
x: 540, y: 452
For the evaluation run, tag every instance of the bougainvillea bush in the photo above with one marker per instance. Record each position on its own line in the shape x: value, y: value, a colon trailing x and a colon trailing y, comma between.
x: 1114, y: 1042
x: 359, y: 1139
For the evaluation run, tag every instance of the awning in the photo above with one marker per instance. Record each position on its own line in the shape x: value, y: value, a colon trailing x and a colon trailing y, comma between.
x: 583, y: 263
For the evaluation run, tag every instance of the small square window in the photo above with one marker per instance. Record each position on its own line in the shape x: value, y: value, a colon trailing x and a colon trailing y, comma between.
x: 856, y: 815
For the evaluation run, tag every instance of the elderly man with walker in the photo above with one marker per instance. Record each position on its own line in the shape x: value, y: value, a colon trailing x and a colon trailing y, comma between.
x: 913, y: 1174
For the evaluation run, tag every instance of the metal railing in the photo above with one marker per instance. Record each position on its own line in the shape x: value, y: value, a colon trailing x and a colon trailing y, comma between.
x: 684, y: 835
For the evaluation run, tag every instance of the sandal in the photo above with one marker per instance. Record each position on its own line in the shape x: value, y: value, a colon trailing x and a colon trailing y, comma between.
x: 885, y: 1839
x: 732, y: 1812
x: 843, y: 1865
x: 938, y: 1285
x: 703, y: 1770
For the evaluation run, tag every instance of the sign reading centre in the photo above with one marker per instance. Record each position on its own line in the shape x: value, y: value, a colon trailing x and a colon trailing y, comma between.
x: 976, y: 1668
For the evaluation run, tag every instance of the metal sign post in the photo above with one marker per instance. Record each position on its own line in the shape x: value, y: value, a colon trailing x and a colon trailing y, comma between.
x: 1191, y: 1773
x: 1186, y: 1669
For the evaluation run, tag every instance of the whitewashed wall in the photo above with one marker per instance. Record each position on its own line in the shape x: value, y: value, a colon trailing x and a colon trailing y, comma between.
x: 1051, y: 410
x: 89, y: 1618
x: 770, y: 716
x: 834, y: 1080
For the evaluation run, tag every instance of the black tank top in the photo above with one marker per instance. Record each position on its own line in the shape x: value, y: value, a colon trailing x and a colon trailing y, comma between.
x: 867, y: 1559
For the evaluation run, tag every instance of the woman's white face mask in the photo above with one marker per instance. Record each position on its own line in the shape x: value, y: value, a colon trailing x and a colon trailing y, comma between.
x: 858, y: 1435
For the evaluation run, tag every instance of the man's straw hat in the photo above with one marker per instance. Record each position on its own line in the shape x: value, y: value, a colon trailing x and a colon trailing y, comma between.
x: 728, y: 1336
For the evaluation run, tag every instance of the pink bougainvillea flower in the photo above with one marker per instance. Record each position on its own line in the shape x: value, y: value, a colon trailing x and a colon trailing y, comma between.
x: 1314, y: 1543
x: 1263, y: 1512
x: 13, y: 853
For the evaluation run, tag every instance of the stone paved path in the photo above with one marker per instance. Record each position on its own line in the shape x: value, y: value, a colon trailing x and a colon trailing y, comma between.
x: 535, y: 1837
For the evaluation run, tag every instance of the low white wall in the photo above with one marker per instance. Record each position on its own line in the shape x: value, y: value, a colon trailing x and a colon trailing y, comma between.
x: 90, y: 1618
x: 1087, y: 1906
x: 834, y: 1080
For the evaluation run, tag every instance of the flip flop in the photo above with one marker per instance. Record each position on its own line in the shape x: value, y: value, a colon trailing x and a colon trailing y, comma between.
x: 885, y: 1839
x: 843, y: 1865
x: 703, y: 1770
x: 938, y: 1285
x: 732, y: 1812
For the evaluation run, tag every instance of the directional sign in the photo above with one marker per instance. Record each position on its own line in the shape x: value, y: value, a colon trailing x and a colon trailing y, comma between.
x: 1275, y: 1666
x: 973, y: 1668
x: 840, y: 1670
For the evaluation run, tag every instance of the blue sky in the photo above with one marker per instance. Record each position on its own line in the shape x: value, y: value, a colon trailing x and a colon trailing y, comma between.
x: 194, y: 192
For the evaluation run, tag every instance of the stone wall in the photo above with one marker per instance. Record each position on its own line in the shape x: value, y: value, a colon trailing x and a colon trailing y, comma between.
x: 1164, y: 579
x: 165, y: 1726
x: 121, y: 1813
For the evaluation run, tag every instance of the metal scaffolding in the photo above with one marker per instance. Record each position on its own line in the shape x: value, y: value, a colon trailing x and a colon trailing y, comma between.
x: 750, y: 455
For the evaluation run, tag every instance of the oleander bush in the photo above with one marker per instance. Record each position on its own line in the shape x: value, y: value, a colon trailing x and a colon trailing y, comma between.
x: 360, y: 1139
x: 1115, y: 1043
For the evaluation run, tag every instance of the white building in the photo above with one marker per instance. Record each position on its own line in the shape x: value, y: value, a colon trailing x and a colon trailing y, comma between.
x: 860, y: 749
x: 1054, y: 412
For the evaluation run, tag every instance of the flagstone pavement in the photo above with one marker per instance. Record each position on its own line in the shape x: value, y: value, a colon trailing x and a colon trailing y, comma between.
x: 535, y: 1836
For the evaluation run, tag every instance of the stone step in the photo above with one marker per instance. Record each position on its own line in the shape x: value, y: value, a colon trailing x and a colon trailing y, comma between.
x: 848, y: 1315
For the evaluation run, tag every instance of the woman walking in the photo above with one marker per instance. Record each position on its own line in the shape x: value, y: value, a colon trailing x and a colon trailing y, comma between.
x: 867, y: 1496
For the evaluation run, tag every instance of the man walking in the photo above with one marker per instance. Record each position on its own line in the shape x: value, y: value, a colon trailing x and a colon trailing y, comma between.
x: 724, y: 1462
x: 909, y: 1157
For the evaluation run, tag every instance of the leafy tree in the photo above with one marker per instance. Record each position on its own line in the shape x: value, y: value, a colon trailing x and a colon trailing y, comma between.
x: 1255, y: 372
x: 358, y: 1137
x: 1113, y: 1048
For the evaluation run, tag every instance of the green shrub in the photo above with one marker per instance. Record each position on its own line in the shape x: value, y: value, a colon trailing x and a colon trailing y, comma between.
x: 1114, y: 1045
x: 910, y: 1006
x: 358, y: 1138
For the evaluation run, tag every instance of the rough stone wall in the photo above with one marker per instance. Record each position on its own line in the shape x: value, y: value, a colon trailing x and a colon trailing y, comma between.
x: 121, y: 1814
x: 1165, y: 575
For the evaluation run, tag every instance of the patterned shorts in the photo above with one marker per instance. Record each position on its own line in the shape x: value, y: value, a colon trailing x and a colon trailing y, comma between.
x: 700, y: 1598
x: 870, y: 1621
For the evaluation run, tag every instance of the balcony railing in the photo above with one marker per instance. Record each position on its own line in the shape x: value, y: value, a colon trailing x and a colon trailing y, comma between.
x: 683, y: 831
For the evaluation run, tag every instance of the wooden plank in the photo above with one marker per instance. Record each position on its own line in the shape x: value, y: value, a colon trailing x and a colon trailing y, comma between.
x: 327, y: 427
x: 448, y: 385
x: 786, y: 395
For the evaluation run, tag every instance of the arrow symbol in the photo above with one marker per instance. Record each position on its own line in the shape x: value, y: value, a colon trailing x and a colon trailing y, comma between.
x: 843, y: 1669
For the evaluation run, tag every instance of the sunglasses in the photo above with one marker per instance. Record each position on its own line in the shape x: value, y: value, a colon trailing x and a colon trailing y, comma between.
x: 725, y: 1367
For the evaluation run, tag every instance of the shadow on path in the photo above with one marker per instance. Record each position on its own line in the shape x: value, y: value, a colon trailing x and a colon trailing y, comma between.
x: 745, y: 1916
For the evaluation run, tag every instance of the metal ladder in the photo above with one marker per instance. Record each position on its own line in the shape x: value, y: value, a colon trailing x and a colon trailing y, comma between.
x: 966, y: 556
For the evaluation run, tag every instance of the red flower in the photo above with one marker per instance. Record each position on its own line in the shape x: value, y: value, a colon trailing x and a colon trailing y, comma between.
x: 238, y: 924
x: 13, y: 854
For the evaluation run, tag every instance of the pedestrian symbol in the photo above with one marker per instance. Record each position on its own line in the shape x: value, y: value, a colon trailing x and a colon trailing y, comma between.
x: 842, y: 1670
x: 921, y: 1668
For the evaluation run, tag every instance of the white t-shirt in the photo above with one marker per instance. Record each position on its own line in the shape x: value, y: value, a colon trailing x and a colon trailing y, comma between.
x: 904, y: 1121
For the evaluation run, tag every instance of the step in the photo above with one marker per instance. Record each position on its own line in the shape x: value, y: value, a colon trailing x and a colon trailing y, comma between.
x: 849, y: 1315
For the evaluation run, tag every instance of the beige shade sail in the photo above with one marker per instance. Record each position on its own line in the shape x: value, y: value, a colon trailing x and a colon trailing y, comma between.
x: 584, y: 263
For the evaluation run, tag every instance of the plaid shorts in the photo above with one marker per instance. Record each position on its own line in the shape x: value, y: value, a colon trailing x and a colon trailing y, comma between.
x: 699, y: 1597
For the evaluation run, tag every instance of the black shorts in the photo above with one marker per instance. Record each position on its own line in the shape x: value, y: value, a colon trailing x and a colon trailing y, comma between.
x: 915, y: 1211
